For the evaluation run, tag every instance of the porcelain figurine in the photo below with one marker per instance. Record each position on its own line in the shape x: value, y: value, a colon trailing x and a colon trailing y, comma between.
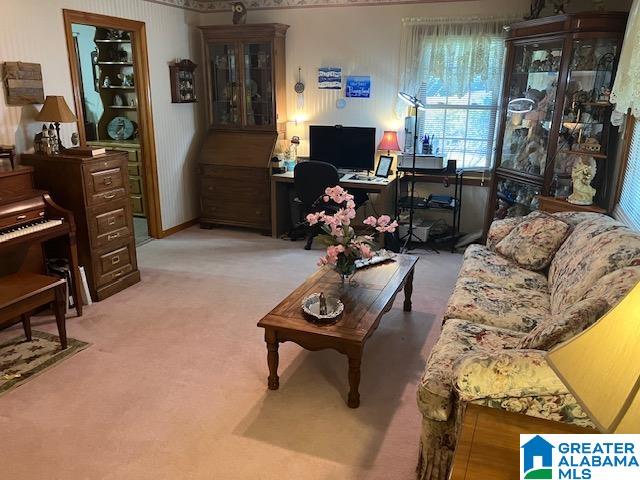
x: 582, y: 175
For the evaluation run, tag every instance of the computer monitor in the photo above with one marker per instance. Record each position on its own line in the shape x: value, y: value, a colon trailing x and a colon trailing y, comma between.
x: 351, y: 148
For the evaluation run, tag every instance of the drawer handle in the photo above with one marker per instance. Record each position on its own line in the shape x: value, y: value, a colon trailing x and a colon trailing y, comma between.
x: 109, y: 196
x: 111, y: 236
x: 21, y: 217
x: 108, y: 181
x: 111, y: 221
x: 118, y: 274
x: 115, y: 260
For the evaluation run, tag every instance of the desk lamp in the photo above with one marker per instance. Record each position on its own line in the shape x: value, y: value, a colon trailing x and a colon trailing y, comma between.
x: 416, y: 104
x: 601, y: 367
x: 56, y: 110
x: 295, y: 134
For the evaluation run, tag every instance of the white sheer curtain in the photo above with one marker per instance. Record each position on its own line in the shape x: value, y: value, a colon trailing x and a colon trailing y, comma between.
x: 455, y: 66
x: 626, y: 88
x: 429, y: 46
x: 626, y: 96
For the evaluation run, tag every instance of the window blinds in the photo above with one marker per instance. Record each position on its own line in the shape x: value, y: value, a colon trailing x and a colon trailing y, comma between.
x: 628, y: 208
x: 461, y: 121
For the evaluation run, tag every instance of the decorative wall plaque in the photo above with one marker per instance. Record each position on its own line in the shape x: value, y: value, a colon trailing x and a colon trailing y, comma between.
x: 23, y: 82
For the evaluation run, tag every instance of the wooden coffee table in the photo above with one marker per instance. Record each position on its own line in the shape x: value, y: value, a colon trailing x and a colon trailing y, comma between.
x: 365, y: 302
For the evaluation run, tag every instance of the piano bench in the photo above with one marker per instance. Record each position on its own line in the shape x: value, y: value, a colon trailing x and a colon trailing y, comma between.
x: 22, y: 293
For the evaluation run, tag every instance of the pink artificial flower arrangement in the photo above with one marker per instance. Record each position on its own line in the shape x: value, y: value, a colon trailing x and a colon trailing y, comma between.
x: 344, y: 247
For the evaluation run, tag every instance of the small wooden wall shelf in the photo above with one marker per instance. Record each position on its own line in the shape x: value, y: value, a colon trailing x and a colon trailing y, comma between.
x: 183, y: 85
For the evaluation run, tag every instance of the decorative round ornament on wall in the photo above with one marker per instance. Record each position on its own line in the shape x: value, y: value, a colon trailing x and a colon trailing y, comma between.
x: 299, y: 89
x: 341, y: 103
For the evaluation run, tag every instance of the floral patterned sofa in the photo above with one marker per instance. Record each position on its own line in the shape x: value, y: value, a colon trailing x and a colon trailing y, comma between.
x: 480, y: 356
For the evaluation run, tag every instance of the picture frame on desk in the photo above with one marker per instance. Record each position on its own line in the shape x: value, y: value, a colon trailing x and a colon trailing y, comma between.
x: 384, y: 166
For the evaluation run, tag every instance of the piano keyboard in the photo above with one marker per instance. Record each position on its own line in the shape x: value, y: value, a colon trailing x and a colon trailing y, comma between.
x: 27, y: 229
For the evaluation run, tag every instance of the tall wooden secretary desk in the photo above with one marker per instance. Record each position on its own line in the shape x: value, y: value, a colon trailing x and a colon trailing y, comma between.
x: 245, y: 92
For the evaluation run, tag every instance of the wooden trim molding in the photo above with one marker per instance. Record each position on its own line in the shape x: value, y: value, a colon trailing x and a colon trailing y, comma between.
x: 178, y: 228
x: 145, y: 115
x: 216, y: 6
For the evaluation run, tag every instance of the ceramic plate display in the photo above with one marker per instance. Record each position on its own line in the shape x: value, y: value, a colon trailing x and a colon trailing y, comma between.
x: 311, y: 306
x: 120, y: 128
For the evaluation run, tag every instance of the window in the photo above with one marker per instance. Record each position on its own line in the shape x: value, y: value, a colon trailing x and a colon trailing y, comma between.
x: 462, y: 98
x: 628, y: 208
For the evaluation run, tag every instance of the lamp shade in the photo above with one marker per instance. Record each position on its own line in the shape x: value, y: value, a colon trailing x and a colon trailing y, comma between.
x: 601, y: 367
x: 389, y: 141
x: 55, y: 109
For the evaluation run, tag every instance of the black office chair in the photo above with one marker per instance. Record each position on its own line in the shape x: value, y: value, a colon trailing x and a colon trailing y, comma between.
x: 310, y: 179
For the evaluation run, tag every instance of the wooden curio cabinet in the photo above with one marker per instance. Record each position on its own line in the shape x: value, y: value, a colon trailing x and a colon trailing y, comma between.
x: 555, y: 109
x: 246, y: 110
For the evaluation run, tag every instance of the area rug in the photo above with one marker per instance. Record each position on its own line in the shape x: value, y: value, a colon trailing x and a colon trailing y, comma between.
x: 21, y: 360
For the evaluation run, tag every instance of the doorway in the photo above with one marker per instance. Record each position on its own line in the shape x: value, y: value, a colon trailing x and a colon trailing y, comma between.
x: 110, y: 75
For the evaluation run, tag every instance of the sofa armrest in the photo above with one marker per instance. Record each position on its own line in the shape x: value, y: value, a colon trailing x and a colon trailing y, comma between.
x: 500, y: 229
x: 505, y: 374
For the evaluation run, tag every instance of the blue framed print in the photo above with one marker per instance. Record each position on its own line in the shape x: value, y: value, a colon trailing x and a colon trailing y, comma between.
x: 358, y: 86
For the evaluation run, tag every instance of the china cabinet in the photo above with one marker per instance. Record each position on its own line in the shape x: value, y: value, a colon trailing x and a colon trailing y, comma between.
x: 245, y: 90
x: 556, y: 109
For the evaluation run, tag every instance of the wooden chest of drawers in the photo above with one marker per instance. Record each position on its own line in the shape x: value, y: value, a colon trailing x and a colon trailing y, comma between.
x: 134, y: 171
x: 96, y: 190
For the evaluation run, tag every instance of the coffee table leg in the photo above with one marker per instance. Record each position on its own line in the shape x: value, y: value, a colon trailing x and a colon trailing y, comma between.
x: 272, y: 358
x: 408, y: 290
x: 353, y: 400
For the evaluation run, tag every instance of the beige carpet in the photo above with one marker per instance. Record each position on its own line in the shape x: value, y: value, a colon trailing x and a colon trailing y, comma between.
x: 174, y: 384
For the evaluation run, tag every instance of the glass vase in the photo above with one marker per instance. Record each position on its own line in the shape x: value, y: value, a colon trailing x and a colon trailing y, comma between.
x: 346, y: 270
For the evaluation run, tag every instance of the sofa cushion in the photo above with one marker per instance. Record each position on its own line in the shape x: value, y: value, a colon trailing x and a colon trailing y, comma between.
x: 575, y: 218
x: 594, y: 249
x: 482, y: 263
x: 505, y: 373
x: 500, y: 229
x: 489, y: 303
x: 533, y: 242
x: 558, y: 408
x: 457, y: 337
x: 614, y: 286
x: 561, y: 327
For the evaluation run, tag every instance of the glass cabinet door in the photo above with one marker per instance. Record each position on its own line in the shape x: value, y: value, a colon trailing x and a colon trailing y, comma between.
x: 225, y: 84
x: 532, y: 93
x: 585, y: 119
x: 515, y: 199
x: 258, y: 86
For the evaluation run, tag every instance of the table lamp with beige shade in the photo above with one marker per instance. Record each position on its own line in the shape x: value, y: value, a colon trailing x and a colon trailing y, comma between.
x: 56, y: 110
x: 601, y: 367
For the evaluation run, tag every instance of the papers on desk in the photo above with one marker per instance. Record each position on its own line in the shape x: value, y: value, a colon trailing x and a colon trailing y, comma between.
x: 355, y: 178
x: 346, y: 178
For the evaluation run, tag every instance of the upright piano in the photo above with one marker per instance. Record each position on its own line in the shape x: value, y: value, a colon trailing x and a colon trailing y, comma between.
x: 28, y: 218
